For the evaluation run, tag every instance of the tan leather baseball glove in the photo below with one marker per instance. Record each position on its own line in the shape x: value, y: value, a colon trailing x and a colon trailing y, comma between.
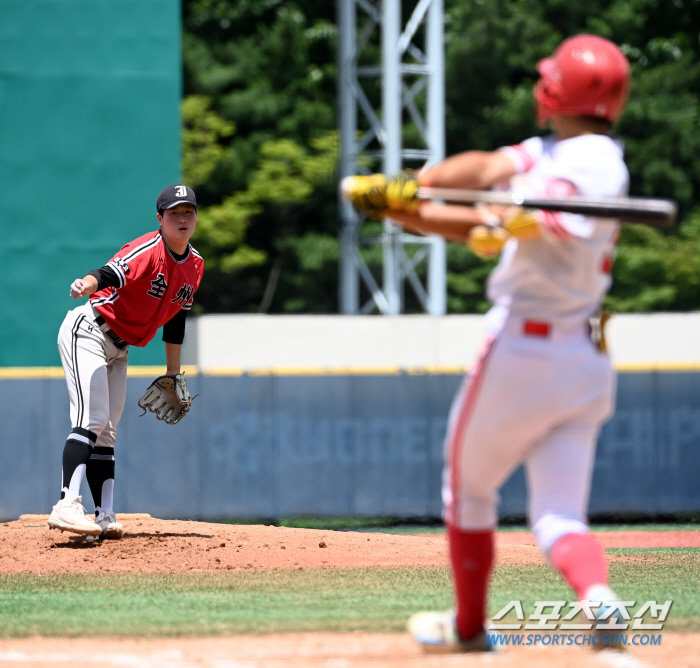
x: 167, y: 397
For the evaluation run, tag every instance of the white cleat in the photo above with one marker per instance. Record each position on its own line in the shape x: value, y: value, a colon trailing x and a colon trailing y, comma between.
x: 69, y: 515
x: 607, y: 639
x: 436, y: 632
x: 110, y: 527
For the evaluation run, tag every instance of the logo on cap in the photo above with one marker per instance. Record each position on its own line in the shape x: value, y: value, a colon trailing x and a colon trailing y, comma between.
x: 174, y: 195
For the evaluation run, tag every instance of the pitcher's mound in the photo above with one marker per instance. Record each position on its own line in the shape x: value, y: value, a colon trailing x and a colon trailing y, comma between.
x: 152, y: 545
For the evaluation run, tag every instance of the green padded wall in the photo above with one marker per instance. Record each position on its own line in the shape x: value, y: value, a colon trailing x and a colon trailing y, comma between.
x: 89, y: 134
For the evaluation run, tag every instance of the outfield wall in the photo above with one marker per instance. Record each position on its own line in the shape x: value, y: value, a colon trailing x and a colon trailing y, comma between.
x: 236, y: 343
x: 342, y: 440
x: 90, y: 128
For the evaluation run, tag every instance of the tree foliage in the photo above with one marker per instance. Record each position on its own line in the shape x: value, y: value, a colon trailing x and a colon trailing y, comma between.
x: 269, y: 210
x: 259, y: 119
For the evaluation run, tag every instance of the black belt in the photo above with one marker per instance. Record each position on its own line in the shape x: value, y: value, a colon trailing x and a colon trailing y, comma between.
x: 104, y: 328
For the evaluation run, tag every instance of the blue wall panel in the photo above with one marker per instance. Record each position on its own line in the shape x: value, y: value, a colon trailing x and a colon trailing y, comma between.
x: 372, y: 445
x: 678, y: 442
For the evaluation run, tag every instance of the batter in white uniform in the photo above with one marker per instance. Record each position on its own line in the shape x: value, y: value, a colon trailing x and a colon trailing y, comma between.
x: 540, y: 390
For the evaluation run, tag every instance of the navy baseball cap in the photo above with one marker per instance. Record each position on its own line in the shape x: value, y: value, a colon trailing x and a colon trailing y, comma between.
x: 174, y: 195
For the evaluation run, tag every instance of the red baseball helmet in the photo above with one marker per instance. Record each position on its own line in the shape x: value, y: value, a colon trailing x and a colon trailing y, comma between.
x: 587, y: 75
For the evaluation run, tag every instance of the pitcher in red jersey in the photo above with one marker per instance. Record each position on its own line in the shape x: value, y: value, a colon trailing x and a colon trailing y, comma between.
x: 150, y: 283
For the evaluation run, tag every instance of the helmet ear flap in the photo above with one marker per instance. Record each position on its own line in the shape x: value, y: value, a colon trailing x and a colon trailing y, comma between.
x: 548, y: 91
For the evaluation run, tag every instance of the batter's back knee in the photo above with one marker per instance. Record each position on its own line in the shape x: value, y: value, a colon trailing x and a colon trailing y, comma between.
x: 549, y: 528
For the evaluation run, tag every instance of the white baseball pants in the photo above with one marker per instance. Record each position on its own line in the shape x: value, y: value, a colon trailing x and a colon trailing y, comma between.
x: 95, y: 371
x: 538, y: 399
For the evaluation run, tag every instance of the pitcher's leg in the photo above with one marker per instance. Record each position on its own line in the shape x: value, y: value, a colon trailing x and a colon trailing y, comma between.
x: 101, y: 466
x: 84, y: 364
x: 100, y: 477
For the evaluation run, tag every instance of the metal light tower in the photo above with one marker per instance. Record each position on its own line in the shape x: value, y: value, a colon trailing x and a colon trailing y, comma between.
x: 409, y: 76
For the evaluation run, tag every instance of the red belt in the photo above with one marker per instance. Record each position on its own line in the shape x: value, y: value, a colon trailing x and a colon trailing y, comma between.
x: 537, y: 328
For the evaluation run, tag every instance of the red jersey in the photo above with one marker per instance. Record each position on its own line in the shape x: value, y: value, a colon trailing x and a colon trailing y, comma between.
x: 154, y: 285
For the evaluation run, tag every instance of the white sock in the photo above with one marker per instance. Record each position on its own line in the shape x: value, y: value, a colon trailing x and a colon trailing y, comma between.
x: 107, y: 496
x: 600, y: 592
x: 75, y: 481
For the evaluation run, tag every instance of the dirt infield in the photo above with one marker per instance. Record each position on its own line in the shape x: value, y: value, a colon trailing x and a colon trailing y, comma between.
x: 152, y: 545
x: 324, y: 650
x: 164, y: 546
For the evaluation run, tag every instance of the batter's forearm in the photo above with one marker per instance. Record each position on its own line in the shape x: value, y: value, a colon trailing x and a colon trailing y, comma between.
x: 472, y: 170
x: 451, y: 222
x: 173, y: 352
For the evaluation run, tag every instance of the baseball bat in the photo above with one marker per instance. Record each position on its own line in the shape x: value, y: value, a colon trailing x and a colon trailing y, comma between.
x: 653, y: 211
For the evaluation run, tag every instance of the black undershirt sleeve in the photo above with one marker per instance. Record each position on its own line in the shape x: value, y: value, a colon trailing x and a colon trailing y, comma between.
x: 106, y: 277
x: 174, y: 329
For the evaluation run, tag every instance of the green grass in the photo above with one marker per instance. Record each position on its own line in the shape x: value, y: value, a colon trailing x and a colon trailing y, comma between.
x: 394, y: 525
x: 336, y: 600
x: 432, y: 528
x: 213, y: 604
x: 646, y: 527
x: 656, y: 574
x: 368, y: 524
